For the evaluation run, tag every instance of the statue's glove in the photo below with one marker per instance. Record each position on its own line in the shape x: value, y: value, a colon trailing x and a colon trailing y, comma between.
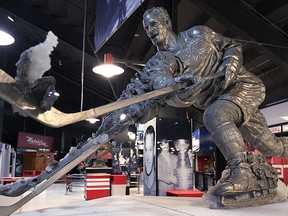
x: 231, y: 67
x: 115, y: 123
x: 162, y: 82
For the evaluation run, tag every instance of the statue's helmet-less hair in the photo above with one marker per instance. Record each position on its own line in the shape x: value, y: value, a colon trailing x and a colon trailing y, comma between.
x: 159, y: 12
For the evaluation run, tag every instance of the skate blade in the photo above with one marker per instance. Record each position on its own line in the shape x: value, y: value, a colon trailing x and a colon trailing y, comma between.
x: 252, y: 198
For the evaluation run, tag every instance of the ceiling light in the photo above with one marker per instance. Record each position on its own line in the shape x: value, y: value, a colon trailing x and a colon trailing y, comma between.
x: 6, y: 39
x: 131, y: 135
x: 284, y: 117
x: 10, y: 18
x: 108, y: 69
x: 93, y: 120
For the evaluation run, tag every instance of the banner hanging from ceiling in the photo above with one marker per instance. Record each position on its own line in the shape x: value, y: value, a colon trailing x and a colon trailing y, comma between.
x: 110, y: 15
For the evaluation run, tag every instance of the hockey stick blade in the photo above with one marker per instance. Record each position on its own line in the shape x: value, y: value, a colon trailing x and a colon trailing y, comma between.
x: 73, y: 159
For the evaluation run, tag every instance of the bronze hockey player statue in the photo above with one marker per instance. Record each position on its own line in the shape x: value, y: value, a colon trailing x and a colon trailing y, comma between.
x: 219, y: 84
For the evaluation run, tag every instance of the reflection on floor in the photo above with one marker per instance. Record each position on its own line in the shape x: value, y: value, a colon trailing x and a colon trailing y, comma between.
x: 54, y: 201
x: 55, y: 196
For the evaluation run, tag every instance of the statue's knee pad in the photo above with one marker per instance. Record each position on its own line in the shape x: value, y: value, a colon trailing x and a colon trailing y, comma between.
x: 221, y: 112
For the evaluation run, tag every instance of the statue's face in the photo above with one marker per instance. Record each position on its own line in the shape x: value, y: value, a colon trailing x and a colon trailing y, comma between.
x: 157, y: 29
x: 149, y: 152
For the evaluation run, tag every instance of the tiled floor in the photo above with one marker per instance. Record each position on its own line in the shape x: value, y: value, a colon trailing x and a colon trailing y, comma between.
x: 54, y: 201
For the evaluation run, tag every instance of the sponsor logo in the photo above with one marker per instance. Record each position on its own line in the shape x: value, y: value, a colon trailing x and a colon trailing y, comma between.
x: 37, y: 142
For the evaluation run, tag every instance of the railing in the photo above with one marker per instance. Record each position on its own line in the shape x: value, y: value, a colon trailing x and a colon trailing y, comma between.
x: 74, y: 180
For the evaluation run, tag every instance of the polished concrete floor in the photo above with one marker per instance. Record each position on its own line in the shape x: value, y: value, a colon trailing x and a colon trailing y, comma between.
x: 54, y: 201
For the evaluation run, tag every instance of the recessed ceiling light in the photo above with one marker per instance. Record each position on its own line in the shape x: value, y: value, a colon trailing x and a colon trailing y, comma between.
x: 11, y: 19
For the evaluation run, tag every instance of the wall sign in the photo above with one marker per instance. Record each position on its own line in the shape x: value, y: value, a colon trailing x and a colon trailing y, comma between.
x: 34, y: 141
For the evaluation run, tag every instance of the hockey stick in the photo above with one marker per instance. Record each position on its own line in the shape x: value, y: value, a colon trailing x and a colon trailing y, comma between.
x: 46, y: 179
x: 55, y: 118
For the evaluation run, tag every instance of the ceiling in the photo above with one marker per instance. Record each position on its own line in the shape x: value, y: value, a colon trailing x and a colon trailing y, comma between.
x: 260, y: 25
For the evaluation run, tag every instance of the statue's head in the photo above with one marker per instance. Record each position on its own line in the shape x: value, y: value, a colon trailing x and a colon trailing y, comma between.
x: 158, y: 12
x: 157, y: 24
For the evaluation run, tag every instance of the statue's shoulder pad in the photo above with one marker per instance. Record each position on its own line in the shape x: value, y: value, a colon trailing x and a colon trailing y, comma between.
x: 198, y: 31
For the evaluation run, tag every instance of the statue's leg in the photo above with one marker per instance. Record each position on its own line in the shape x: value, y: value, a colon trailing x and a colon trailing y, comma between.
x: 221, y: 119
x: 257, y: 133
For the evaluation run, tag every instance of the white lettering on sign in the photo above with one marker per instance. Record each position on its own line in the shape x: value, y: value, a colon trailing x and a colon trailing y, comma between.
x: 38, y: 142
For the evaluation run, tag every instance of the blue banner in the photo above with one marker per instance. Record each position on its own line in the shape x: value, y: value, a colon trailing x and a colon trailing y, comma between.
x: 110, y: 15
